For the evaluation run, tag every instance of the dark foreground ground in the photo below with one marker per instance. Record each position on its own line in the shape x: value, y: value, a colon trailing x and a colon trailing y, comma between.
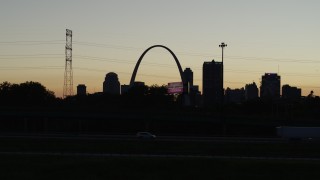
x: 52, y: 168
x: 235, y: 147
x: 94, y: 158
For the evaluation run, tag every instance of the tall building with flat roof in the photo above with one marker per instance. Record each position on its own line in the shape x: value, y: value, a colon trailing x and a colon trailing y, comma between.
x: 289, y: 92
x: 111, y: 84
x: 251, y: 91
x: 188, y: 77
x: 234, y: 95
x: 270, y: 86
x: 124, y: 88
x: 212, y: 85
x: 139, y: 84
x: 81, y: 90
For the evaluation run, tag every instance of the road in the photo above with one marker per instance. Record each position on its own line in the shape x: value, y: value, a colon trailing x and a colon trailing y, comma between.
x: 134, y: 138
x: 162, y: 146
x: 153, y: 156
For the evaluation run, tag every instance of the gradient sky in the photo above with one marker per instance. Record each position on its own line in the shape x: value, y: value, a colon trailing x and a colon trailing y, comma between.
x: 109, y: 36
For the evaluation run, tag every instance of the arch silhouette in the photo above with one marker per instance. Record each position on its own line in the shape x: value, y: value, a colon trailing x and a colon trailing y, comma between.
x: 133, y: 77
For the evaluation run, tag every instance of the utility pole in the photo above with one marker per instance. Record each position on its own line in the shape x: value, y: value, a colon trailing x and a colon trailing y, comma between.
x: 222, y: 45
x: 68, y: 74
x: 223, y: 120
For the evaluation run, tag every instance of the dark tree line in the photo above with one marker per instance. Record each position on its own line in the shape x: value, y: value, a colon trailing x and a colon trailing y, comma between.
x: 140, y: 97
x: 35, y: 94
x: 144, y: 108
x: 153, y: 98
x: 25, y: 94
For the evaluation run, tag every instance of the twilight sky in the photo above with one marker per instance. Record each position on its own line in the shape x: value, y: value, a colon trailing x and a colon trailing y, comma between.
x: 277, y: 36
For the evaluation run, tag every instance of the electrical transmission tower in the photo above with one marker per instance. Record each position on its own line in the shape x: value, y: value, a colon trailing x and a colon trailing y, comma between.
x: 68, y: 75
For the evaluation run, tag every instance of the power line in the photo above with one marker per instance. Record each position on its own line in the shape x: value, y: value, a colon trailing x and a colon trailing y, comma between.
x: 25, y: 55
x: 195, y: 68
x: 28, y: 57
x: 273, y: 59
x: 31, y: 43
x: 13, y: 42
x: 101, y: 70
x: 121, y: 61
x: 202, y: 54
x: 120, y: 47
x: 31, y: 67
x: 22, y: 56
x: 107, y: 46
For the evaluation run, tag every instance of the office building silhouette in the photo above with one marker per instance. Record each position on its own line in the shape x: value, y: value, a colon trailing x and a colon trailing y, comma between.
x: 251, y: 91
x: 81, y: 90
x: 188, y: 77
x: 125, y: 88
x: 270, y: 86
x: 289, y: 92
x: 111, y: 84
x: 193, y: 90
x: 234, y: 95
x: 139, y: 84
x: 212, y: 85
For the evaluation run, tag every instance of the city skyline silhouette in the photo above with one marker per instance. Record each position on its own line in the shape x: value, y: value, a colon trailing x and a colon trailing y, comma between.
x: 165, y: 89
x: 273, y: 37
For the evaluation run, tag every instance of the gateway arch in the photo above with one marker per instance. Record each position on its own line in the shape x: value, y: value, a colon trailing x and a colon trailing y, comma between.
x: 133, y: 77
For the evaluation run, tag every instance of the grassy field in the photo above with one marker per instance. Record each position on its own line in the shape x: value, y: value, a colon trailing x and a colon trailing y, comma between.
x: 78, y: 168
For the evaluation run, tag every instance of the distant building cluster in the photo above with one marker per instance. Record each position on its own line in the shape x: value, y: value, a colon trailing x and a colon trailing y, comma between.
x: 270, y: 89
x: 213, y: 92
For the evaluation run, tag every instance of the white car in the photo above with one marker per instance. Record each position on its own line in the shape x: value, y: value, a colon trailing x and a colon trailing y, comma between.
x: 145, y: 135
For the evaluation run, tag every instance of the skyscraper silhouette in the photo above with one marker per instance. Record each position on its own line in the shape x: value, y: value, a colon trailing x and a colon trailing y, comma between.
x: 270, y: 86
x: 212, y: 83
x: 111, y: 84
x: 251, y: 91
x: 188, y: 77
